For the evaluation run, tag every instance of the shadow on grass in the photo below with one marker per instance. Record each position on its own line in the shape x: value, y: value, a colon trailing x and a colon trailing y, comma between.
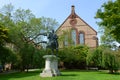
x: 108, y: 73
x: 68, y: 75
x: 78, y: 70
x: 19, y: 75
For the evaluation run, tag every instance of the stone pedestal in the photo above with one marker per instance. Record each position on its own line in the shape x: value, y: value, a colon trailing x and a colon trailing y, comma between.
x: 51, y: 66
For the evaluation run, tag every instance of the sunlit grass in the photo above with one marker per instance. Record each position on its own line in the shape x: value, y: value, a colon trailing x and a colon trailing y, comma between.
x: 66, y: 75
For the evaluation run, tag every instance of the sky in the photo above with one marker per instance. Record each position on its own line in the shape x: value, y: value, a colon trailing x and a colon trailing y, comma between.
x: 60, y: 9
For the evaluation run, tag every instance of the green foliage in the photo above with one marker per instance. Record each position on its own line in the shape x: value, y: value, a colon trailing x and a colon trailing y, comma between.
x: 26, y: 54
x: 74, y: 56
x: 24, y: 34
x: 3, y: 35
x: 94, y: 58
x: 31, y: 57
x: 7, y: 56
x: 49, y: 24
x: 65, y: 75
x: 109, y: 15
x: 110, y: 20
x: 104, y: 58
x: 38, y: 61
x: 111, y: 60
x: 23, y: 15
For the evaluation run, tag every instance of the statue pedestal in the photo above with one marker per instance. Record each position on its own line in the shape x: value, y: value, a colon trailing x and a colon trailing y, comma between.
x: 51, y: 66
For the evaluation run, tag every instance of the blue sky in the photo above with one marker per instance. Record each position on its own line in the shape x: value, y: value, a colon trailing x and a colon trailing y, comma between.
x: 60, y: 9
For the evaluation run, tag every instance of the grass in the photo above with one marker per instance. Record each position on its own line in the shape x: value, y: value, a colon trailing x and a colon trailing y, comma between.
x: 66, y: 75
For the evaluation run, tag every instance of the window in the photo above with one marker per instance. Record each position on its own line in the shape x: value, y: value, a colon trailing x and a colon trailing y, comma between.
x: 81, y: 38
x: 73, y: 36
x: 66, y: 40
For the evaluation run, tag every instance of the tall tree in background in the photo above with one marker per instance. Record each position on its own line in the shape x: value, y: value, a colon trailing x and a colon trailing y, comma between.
x: 24, y: 25
x: 6, y: 55
x: 3, y: 35
x: 30, y: 27
x: 109, y: 15
x: 24, y: 33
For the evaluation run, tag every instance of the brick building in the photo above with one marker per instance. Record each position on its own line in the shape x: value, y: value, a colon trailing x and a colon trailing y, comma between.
x: 74, y: 31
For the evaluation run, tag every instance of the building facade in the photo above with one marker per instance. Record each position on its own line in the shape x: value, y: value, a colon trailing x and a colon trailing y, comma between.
x: 74, y: 31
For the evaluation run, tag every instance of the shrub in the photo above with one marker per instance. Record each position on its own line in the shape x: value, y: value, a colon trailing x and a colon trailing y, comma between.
x: 111, y: 60
x: 94, y: 58
x: 105, y: 58
x: 74, y: 57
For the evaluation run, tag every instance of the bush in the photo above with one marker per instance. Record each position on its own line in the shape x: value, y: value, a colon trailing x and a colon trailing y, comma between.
x: 74, y: 57
x: 94, y: 58
x: 38, y: 61
x: 7, y: 56
x: 111, y: 60
x: 30, y: 57
x: 104, y: 58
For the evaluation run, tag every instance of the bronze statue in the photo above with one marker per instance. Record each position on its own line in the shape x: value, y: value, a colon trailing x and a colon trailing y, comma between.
x: 53, y: 41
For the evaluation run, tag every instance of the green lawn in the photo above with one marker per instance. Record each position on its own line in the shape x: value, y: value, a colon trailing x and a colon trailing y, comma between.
x: 66, y: 75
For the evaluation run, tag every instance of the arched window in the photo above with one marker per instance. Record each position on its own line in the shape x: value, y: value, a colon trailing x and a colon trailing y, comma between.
x: 81, y: 38
x: 73, y: 36
x: 66, y: 40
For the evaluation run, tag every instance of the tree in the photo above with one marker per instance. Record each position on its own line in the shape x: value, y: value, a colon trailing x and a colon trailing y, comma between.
x: 3, y: 35
x: 49, y: 23
x: 74, y: 57
x: 25, y: 24
x: 104, y: 58
x: 6, y: 15
x: 7, y: 56
x: 26, y: 54
x: 38, y: 61
x: 30, y: 27
x: 94, y: 58
x: 109, y: 21
x: 111, y: 60
x: 24, y: 33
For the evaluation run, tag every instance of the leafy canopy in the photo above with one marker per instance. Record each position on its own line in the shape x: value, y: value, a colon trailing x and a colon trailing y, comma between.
x: 109, y: 15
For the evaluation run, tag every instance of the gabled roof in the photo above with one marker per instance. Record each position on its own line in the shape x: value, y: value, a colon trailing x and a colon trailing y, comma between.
x: 74, y: 15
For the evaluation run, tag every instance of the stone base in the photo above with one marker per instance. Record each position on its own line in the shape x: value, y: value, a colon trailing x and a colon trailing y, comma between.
x: 51, y: 66
x: 49, y: 73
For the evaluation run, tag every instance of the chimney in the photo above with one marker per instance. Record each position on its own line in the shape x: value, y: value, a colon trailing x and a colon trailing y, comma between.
x: 73, y: 9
